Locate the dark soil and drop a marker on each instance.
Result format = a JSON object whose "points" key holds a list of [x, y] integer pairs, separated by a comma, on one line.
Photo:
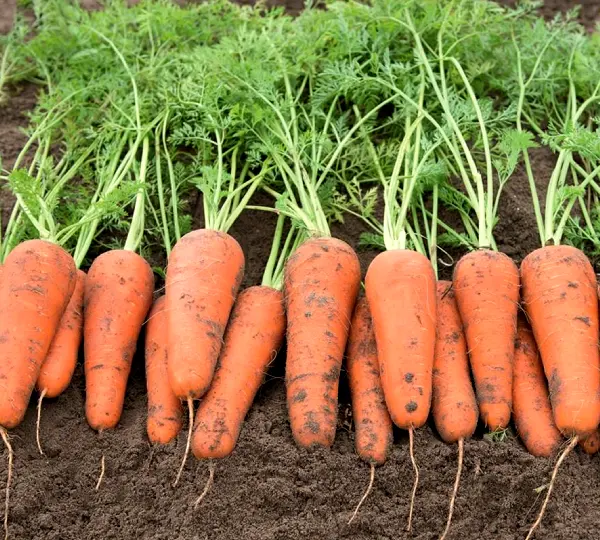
{"points": [[269, 489]]}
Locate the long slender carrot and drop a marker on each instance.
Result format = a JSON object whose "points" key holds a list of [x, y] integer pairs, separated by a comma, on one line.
{"points": [[118, 295], [486, 284], [164, 407], [373, 425], [254, 335], [454, 405], [560, 297], [531, 403], [321, 283]]}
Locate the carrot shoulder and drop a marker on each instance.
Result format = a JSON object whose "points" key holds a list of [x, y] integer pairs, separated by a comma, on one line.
{"points": [[373, 425], [454, 406], [38, 279], [59, 365], [322, 278], [205, 271], [486, 284], [254, 335], [400, 288], [118, 295], [532, 411], [560, 297], [164, 407]]}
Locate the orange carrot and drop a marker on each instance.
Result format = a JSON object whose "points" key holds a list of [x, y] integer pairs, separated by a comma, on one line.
{"points": [[486, 284], [531, 403], [373, 425], [254, 335], [164, 407], [400, 286], [38, 279], [560, 296], [118, 295], [322, 279], [454, 406]]}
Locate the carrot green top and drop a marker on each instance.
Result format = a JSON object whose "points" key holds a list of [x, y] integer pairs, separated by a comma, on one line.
{"points": [[274, 270]]}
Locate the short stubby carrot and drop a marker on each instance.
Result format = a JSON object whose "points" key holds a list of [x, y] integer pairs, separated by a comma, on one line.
{"points": [[204, 274], [321, 283], [400, 287], [118, 295], [486, 284], [253, 337], [38, 279], [531, 403], [373, 425], [59, 365], [454, 405], [560, 297], [164, 407]]}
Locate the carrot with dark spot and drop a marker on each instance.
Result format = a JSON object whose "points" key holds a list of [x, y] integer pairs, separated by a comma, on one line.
{"points": [[373, 425], [164, 407], [454, 405]]}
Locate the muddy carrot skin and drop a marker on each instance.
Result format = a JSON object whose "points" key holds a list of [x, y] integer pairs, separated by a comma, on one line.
{"points": [[591, 443], [560, 297], [253, 337], [454, 406], [164, 407], [486, 285], [321, 283], [59, 365], [38, 279], [117, 298], [400, 289], [205, 271], [532, 411], [373, 425]]}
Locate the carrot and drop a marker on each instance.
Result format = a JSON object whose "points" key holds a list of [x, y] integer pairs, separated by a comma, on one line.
{"points": [[38, 278], [486, 285], [164, 407], [560, 297], [454, 406], [321, 283], [253, 337], [58, 367], [591, 443], [118, 295], [532, 411], [373, 425]]}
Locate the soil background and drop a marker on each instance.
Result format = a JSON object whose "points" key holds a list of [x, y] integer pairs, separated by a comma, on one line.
{"points": [[269, 489]]}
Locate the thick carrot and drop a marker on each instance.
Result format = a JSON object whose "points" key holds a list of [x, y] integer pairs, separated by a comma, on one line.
{"points": [[373, 425], [400, 286], [254, 335], [531, 403], [454, 406], [38, 279], [118, 295], [560, 296], [486, 284], [205, 270], [591, 443], [59, 365], [164, 407], [321, 282], [372, 421]]}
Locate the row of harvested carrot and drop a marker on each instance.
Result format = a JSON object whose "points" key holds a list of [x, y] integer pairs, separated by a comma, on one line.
{"points": [[397, 368]]}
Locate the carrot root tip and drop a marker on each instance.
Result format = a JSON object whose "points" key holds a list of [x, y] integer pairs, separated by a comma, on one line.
{"points": [[37, 423], [6, 440], [209, 483], [416, 483], [455, 489], [190, 403], [101, 477], [559, 461], [365, 495]]}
